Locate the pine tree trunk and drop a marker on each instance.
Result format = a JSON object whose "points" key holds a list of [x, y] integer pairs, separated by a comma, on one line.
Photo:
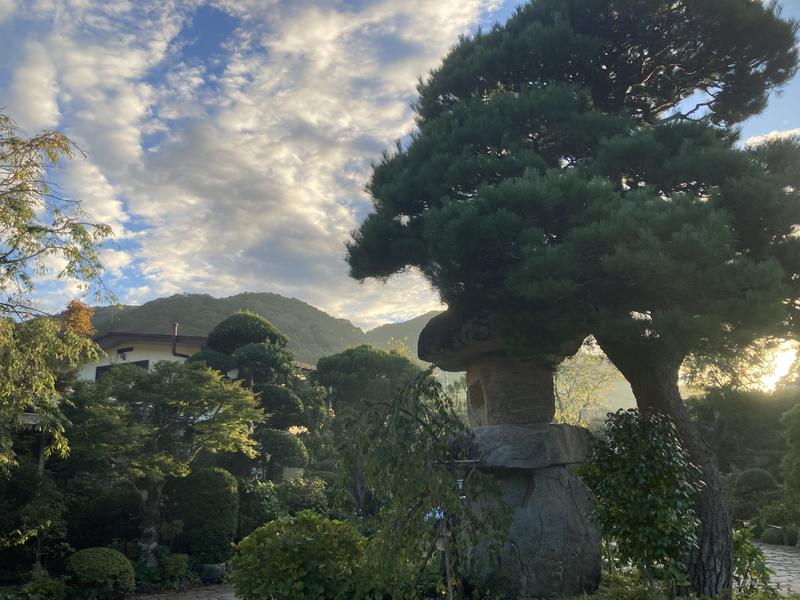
{"points": [[653, 377]]}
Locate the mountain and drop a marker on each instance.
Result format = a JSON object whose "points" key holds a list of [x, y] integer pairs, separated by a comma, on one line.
{"points": [[312, 333], [405, 333]]}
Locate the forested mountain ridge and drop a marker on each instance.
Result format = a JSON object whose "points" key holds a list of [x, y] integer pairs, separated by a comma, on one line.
{"points": [[312, 332]]}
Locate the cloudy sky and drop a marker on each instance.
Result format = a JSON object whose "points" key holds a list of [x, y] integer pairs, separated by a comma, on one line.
{"points": [[228, 141]]}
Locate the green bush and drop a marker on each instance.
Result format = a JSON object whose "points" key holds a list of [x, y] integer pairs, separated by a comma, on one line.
{"points": [[302, 493], [777, 513], [644, 485], [170, 572], [284, 407], [755, 480], [40, 587], [298, 558], [259, 503], [285, 449], [207, 501], [243, 328], [772, 535], [99, 574]]}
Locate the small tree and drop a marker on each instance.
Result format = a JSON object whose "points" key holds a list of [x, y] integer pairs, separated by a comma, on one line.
{"points": [[145, 426], [580, 384], [645, 488]]}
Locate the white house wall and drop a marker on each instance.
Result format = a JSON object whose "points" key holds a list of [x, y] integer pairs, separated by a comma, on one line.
{"points": [[150, 351]]}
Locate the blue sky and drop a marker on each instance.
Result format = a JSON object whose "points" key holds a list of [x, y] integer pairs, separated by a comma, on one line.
{"points": [[228, 141]]}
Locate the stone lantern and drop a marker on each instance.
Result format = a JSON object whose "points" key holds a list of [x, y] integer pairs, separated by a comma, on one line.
{"points": [[553, 548]]}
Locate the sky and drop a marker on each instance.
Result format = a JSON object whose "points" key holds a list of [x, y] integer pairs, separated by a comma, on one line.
{"points": [[228, 142]]}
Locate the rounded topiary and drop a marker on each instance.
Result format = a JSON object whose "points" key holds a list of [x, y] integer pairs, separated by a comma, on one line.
{"points": [[302, 493], [755, 480], [216, 360], [284, 407], [207, 501], [298, 558], [99, 573], [243, 328], [772, 535], [285, 449]]}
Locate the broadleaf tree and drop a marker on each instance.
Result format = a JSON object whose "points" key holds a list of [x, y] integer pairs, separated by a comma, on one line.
{"points": [[38, 228], [144, 427], [565, 180]]}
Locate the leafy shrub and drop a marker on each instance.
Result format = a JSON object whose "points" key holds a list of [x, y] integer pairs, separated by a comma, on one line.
{"points": [[99, 574], [259, 503], [285, 449], [772, 535], [777, 513], [207, 501], [304, 494], [755, 480], [171, 571], [644, 485], [298, 558], [40, 587], [100, 515], [243, 328], [750, 571], [216, 360]]}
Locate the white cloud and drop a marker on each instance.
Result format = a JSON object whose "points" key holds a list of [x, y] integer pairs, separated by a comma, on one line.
{"points": [[245, 170], [7, 8], [32, 97], [772, 136]]}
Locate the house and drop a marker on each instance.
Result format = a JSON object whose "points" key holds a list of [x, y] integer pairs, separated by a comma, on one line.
{"points": [[146, 349], [140, 349]]}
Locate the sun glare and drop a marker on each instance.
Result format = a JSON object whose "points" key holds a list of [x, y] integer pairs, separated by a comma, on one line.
{"points": [[781, 363]]}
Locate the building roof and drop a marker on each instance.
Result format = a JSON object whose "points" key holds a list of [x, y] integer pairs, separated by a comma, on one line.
{"points": [[113, 338]]}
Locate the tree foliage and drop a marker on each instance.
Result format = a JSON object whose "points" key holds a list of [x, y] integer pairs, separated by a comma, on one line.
{"points": [[580, 384]]}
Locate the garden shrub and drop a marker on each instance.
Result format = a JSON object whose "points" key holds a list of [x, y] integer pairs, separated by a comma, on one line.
{"points": [[298, 558], [259, 503], [755, 480], [170, 572], [750, 571], [99, 515], [283, 406], [285, 449], [304, 494], [41, 586], [644, 486], [243, 328], [207, 501], [99, 574], [777, 513], [772, 535]]}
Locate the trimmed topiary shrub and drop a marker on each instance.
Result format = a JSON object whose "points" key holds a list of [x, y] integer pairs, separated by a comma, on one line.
{"points": [[99, 574], [259, 503], [285, 449], [170, 572], [304, 494], [777, 513], [207, 502], [772, 535], [216, 360], [298, 558], [284, 407], [755, 480], [243, 328]]}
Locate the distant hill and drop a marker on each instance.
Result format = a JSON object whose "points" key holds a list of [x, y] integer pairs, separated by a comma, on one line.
{"points": [[406, 332], [312, 333]]}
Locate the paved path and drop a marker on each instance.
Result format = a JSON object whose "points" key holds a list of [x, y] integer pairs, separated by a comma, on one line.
{"points": [[214, 592], [785, 561]]}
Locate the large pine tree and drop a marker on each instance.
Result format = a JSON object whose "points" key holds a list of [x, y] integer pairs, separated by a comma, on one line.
{"points": [[576, 171]]}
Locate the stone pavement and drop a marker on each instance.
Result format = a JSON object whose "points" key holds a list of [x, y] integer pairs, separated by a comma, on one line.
{"points": [[785, 561], [213, 592]]}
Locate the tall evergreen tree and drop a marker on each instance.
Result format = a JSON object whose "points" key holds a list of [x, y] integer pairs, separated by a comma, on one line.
{"points": [[564, 180]]}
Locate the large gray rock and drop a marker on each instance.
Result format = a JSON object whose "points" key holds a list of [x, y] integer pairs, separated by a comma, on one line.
{"points": [[553, 548], [531, 446]]}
